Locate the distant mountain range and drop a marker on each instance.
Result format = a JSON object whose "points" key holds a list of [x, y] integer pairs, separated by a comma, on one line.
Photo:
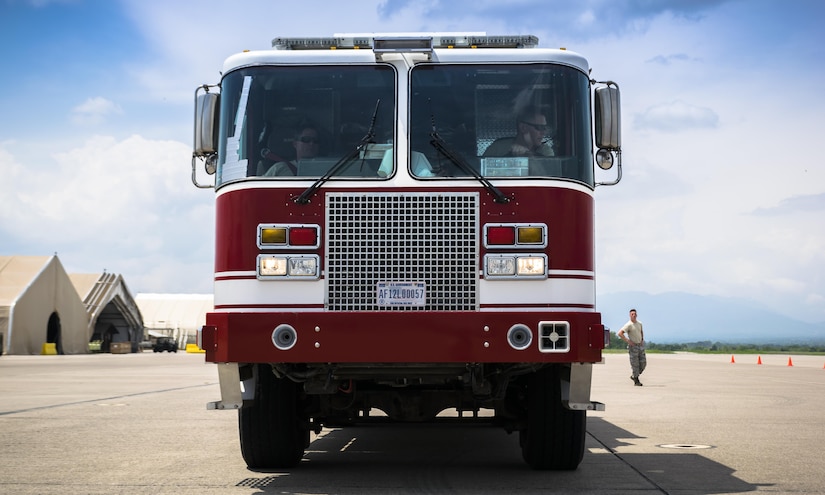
{"points": [[678, 317]]}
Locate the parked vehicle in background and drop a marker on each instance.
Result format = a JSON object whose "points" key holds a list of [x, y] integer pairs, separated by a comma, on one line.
{"points": [[165, 344]]}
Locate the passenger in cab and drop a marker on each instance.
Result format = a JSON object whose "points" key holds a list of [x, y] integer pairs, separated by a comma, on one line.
{"points": [[307, 144]]}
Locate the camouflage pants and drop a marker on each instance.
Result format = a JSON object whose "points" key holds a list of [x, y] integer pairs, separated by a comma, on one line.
{"points": [[638, 360]]}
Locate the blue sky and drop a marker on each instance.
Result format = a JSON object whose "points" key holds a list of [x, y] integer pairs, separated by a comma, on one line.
{"points": [[723, 193]]}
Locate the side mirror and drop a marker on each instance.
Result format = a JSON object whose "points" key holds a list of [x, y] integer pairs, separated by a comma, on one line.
{"points": [[608, 129], [206, 123], [608, 117], [206, 133]]}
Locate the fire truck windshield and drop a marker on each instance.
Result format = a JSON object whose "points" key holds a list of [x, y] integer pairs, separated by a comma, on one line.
{"points": [[508, 121], [297, 122]]}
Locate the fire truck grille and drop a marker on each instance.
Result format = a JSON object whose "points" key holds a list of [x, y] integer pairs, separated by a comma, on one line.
{"points": [[381, 245]]}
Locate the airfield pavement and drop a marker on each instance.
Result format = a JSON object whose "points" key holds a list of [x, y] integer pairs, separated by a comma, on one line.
{"points": [[137, 424]]}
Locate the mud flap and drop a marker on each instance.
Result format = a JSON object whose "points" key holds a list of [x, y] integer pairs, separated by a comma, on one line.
{"points": [[575, 392], [229, 377]]}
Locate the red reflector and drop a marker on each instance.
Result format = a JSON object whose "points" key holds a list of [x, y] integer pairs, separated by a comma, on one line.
{"points": [[501, 236], [303, 236]]}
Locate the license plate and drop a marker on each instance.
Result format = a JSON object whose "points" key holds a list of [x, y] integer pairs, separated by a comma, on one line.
{"points": [[401, 293]]}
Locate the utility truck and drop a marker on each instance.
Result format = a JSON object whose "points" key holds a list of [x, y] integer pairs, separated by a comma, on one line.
{"points": [[405, 234]]}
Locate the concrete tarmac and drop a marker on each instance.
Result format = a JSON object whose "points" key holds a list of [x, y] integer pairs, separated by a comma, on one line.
{"points": [[137, 424]]}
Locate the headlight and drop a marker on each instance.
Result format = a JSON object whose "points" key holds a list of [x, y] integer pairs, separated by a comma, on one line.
{"points": [[499, 266], [303, 267], [286, 267], [515, 266], [531, 266], [271, 266]]}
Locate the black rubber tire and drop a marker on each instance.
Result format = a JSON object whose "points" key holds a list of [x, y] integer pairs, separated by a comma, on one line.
{"points": [[554, 437], [269, 428]]}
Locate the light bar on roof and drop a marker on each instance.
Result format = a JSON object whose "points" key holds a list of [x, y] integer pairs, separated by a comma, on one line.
{"points": [[406, 43], [518, 41], [421, 44], [351, 43]]}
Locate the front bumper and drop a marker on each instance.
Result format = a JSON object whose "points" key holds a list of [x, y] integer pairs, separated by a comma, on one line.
{"points": [[398, 337]]}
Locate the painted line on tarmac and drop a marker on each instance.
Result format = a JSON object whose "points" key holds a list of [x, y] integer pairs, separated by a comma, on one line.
{"points": [[138, 394], [631, 466]]}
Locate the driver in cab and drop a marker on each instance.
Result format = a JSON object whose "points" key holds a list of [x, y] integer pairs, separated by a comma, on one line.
{"points": [[530, 139]]}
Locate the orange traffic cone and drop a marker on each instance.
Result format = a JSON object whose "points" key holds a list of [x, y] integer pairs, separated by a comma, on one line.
{"points": [[790, 362], [759, 360], [731, 359]]}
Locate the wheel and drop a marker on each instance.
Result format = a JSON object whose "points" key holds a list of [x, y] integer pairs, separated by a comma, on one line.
{"points": [[270, 431], [554, 436]]}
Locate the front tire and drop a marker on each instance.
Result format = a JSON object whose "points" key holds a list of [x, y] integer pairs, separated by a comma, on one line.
{"points": [[554, 435], [269, 427]]}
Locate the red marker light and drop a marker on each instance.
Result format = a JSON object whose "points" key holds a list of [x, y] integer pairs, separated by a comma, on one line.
{"points": [[303, 236], [501, 236]]}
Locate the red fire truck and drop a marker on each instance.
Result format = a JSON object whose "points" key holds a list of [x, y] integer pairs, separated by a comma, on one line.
{"points": [[404, 233]]}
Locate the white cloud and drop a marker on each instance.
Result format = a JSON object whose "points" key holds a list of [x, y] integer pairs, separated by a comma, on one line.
{"points": [[815, 300], [188, 53], [125, 205], [586, 18], [104, 181], [669, 59], [795, 204], [676, 116], [94, 111]]}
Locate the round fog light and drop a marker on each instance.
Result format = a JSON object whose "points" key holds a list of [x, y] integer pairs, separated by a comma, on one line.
{"points": [[284, 337], [519, 336]]}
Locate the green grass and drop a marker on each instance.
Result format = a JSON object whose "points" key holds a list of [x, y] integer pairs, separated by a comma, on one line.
{"points": [[707, 347]]}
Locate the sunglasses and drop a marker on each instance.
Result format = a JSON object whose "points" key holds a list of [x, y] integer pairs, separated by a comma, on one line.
{"points": [[309, 139], [538, 127]]}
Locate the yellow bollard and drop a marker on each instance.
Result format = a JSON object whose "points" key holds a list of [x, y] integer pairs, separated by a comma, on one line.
{"points": [[194, 348]]}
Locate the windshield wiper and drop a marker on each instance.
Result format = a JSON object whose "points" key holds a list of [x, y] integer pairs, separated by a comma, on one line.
{"points": [[442, 147], [367, 139]]}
